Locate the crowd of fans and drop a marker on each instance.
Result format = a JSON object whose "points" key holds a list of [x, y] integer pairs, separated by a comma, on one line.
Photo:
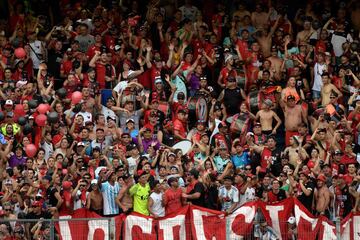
{"points": [[281, 115]]}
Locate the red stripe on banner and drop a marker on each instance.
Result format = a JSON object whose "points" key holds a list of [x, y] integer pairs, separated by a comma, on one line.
{"points": [[139, 227], [174, 226], [240, 222], [207, 224], [308, 226], [327, 229]]}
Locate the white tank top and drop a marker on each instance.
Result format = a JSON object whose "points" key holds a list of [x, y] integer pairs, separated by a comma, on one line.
{"points": [[157, 207]]}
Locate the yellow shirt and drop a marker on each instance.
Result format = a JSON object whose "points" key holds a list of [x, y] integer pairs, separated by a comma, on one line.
{"points": [[140, 195]]}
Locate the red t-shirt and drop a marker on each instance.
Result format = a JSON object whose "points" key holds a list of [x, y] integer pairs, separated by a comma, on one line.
{"points": [[179, 126], [346, 159], [265, 157], [173, 200], [91, 51]]}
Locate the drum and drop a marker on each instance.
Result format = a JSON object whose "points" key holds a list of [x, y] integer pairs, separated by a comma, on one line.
{"points": [[165, 108], [183, 145], [198, 108], [238, 124], [240, 78], [253, 101]]}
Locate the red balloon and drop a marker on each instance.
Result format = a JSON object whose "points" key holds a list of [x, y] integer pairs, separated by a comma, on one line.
{"points": [[41, 120], [20, 53], [19, 110], [43, 108], [30, 150], [76, 97], [311, 164]]}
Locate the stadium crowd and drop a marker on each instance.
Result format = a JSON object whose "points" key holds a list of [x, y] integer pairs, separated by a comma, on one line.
{"points": [[259, 99]]}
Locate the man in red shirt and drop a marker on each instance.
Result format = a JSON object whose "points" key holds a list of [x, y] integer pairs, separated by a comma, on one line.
{"points": [[105, 72], [172, 197], [180, 125]]}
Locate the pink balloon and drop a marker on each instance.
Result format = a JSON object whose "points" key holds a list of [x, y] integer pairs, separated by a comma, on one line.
{"points": [[43, 108], [20, 53], [41, 120], [19, 110], [30, 150], [76, 97]]}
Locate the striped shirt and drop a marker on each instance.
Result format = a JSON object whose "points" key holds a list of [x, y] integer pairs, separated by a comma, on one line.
{"points": [[266, 234], [109, 193]]}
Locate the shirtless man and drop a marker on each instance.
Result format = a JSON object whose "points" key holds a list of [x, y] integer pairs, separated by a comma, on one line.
{"points": [[89, 101], [327, 89], [124, 200], [259, 18], [112, 129], [322, 197], [294, 116], [305, 34], [320, 141], [264, 38], [266, 117], [94, 201], [295, 151], [276, 62]]}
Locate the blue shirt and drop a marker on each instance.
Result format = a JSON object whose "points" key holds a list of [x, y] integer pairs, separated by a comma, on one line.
{"points": [[220, 163], [240, 161]]}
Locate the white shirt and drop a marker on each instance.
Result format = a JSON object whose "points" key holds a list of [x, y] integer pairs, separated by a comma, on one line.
{"points": [[157, 206], [49, 149], [319, 69], [229, 197], [132, 165], [337, 42], [36, 47], [109, 193], [77, 200], [108, 112], [249, 194]]}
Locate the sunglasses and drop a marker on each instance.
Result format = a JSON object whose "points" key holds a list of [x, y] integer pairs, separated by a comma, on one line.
{"points": [[7, 210], [82, 185], [247, 169]]}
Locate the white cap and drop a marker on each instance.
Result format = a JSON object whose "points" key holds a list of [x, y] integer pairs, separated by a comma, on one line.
{"points": [[158, 80], [9, 102], [21, 83], [291, 220], [94, 181], [81, 144]]}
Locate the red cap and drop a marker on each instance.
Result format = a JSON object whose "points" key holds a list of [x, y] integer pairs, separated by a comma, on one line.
{"points": [[321, 178], [67, 184]]}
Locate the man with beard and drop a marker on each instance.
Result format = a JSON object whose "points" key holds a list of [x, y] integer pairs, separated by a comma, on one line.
{"points": [[270, 156], [195, 191]]}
